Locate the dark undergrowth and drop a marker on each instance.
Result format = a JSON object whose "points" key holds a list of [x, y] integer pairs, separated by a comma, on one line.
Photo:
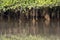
{"points": [[36, 13]]}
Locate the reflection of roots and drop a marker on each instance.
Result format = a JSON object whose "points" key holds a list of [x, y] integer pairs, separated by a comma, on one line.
{"points": [[47, 22], [47, 19], [33, 21]]}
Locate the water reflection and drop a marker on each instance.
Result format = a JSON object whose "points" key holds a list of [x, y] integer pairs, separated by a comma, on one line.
{"points": [[18, 26]]}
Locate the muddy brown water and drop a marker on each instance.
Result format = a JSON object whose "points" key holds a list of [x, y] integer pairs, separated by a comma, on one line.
{"points": [[34, 27]]}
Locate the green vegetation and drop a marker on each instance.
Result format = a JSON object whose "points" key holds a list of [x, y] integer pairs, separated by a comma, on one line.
{"points": [[30, 37], [27, 3]]}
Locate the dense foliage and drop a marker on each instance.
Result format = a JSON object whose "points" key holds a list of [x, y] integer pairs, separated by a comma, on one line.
{"points": [[27, 3]]}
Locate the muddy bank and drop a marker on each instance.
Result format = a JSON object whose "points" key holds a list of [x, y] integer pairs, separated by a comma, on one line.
{"points": [[33, 27], [46, 13]]}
